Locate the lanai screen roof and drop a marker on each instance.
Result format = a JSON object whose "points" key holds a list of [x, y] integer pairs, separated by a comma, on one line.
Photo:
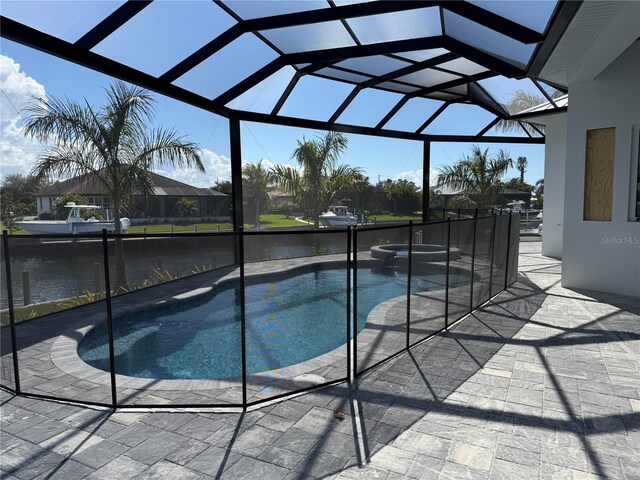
{"points": [[391, 68]]}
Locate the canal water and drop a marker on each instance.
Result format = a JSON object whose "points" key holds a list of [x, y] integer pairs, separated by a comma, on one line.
{"points": [[64, 270]]}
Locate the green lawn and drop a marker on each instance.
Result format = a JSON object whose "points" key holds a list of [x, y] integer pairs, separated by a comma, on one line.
{"points": [[166, 227], [16, 231], [278, 220], [399, 218], [266, 221]]}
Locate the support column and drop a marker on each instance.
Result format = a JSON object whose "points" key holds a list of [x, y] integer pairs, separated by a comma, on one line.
{"points": [[555, 159], [236, 172], [426, 167]]}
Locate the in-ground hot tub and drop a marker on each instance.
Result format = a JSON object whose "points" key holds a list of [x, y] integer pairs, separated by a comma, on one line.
{"points": [[421, 252]]}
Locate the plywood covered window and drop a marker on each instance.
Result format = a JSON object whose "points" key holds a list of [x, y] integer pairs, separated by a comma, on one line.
{"points": [[598, 181]]}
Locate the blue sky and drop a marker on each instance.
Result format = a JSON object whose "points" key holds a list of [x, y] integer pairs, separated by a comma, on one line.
{"points": [[379, 157]]}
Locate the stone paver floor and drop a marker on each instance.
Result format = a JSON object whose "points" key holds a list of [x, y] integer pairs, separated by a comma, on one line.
{"points": [[542, 382]]}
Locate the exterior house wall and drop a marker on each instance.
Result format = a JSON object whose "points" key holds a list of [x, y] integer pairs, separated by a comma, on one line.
{"points": [[159, 207], [555, 153], [603, 255], [43, 204]]}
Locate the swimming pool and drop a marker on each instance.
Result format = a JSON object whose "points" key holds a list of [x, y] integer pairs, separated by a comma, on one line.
{"points": [[291, 320]]}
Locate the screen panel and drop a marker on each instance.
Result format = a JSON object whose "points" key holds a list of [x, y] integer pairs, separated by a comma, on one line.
{"points": [[172, 318], [482, 261], [428, 281], [381, 291], [501, 241], [461, 251], [296, 290], [59, 296], [7, 377], [514, 247]]}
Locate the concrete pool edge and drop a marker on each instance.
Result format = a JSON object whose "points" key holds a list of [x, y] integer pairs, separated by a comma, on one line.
{"points": [[64, 351]]}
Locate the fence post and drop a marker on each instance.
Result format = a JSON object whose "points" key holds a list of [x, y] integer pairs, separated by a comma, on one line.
{"points": [[218, 227], [446, 288], [355, 301], [458, 213], [473, 257], [243, 319], [107, 289], [409, 255], [349, 229], [26, 289], [493, 248], [12, 317], [506, 266]]}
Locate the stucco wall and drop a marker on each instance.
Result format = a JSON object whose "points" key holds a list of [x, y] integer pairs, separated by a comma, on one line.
{"points": [[603, 256], [555, 152]]}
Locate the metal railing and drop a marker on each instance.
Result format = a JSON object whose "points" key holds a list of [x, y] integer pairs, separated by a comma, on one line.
{"points": [[284, 311]]}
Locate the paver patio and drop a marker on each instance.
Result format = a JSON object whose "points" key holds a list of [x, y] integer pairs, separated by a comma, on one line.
{"points": [[542, 382]]}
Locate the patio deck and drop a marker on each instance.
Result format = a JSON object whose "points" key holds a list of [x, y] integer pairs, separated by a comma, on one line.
{"points": [[542, 382]]}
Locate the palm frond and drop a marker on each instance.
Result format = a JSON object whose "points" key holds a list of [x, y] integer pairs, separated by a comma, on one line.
{"points": [[288, 178], [161, 148], [520, 100]]}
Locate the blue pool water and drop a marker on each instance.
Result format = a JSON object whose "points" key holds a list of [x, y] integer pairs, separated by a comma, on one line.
{"points": [[288, 321]]}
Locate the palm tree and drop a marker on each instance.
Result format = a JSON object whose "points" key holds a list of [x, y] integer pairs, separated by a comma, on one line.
{"points": [[539, 193], [112, 145], [256, 182], [521, 165], [405, 193], [320, 181], [476, 174], [521, 100], [186, 207]]}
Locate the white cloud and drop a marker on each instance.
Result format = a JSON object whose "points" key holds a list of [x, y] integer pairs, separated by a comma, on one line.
{"points": [[415, 176], [217, 167], [17, 152]]}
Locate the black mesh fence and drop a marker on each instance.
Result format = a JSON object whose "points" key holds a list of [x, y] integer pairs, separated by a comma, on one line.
{"points": [[295, 290], [380, 294], [482, 261], [7, 372], [59, 296], [436, 214], [142, 261], [514, 242], [176, 320], [460, 265], [428, 280], [263, 246], [178, 304], [7, 375], [500, 253]]}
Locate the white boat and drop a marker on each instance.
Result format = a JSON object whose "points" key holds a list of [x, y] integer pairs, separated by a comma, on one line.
{"points": [[516, 206], [74, 223], [337, 216]]}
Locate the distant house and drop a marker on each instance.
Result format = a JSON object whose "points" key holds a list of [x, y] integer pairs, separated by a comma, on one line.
{"points": [[507, 196], [160, 205], [279, 198]]}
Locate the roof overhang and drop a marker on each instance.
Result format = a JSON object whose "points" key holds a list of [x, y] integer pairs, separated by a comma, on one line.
{"points": [[597, 34]]}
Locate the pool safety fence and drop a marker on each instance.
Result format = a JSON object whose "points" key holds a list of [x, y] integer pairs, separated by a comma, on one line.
{"points": [[236, 319]]}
